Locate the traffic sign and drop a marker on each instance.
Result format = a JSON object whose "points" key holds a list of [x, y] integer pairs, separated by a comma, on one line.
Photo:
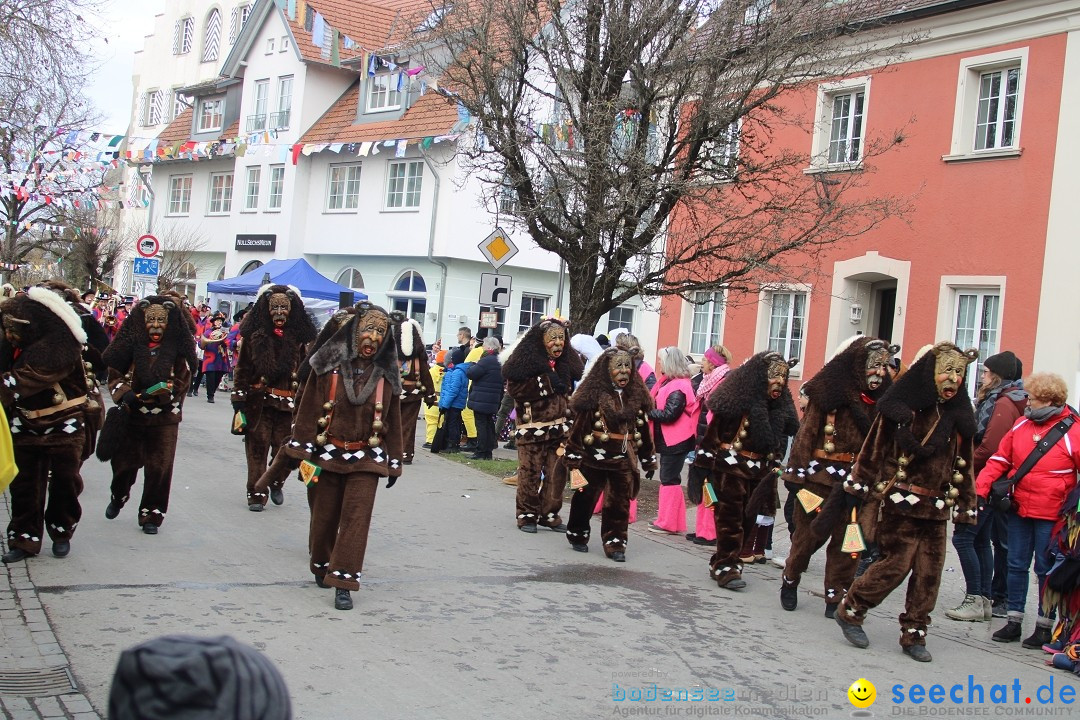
{"points": [[498, 248], [148, 246], [146, 267], [495, 290]]}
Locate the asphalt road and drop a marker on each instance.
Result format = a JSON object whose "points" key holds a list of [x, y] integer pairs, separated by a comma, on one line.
{"points": [[460, 615]]}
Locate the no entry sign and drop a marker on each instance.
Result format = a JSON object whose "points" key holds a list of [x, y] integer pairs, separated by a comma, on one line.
{"points": [[147, 246]]}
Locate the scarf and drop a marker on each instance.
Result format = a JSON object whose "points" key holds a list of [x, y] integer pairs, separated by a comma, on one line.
{"points": [[1014, 390], [710, 381], [1042, 414]]}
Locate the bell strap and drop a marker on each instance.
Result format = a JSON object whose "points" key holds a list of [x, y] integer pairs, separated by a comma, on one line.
{"points": [[52, 410]]}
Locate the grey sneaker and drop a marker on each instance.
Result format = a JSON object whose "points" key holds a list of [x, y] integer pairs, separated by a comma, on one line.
{"points": [[988, 609], [970, 610]]}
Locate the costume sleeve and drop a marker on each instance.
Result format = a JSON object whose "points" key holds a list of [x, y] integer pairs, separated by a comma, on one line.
{"points": [[424, 376], [870, 463], [710, 445], [394, 443], [1000, 463], [575, 446], [118, 385], [30, 380], [647, 451], [966, 508], [1001, 421], [242, 376]]}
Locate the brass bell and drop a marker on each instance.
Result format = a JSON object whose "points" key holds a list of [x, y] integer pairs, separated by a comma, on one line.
{"points": [[294, 376], [263, 380], [596, 414], [736, 445], [638, 443], [769, 456], [322, 423], [527, 417], [746, 423], [374, 441], [377, 425], [880, 487], [321, 438], [637, 435], [57, 398], [902, 461], [598, 425], [88, 366], [743, 434], [588, 439], [830, 447], [295, 384], [640, 422], [958, 477], [961, 462], [949, 502], [830, 429], [328, 405], [604, 437], [901, 475], [378, 407], [954, 492]]}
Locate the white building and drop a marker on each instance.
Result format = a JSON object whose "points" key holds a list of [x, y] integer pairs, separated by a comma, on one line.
{"points": [[297, 150]]}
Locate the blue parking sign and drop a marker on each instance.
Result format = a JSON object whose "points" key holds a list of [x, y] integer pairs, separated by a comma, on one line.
{"points": [[146, 266]]}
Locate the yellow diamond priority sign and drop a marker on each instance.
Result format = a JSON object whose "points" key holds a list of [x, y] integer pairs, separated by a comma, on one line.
{"points": [[498, 248]]}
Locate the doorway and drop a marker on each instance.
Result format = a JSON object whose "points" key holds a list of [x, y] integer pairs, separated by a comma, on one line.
{"points": [[885, 303]]}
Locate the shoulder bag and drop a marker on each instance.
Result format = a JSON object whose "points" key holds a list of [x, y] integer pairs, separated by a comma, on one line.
{"points": [[1001, 491]]}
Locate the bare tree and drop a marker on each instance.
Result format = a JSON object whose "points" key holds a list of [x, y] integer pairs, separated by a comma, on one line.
{"points": [[90, 247], [180, 245], [636, 140]]}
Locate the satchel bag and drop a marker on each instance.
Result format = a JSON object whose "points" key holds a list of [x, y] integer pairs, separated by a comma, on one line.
{"points": [[1001, 490], [114, 432]]}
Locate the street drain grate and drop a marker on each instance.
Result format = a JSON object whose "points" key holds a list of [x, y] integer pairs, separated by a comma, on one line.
{"points": [[36, 683]]}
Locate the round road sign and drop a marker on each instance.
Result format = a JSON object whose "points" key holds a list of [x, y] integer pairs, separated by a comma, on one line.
{"points": [[148, 246]]}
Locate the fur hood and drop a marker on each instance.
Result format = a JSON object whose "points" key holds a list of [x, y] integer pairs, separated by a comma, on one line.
{"points": [[410, 337], [53, 345], [744, 392], [916, 391], [842, 381], [131, 346], [528, 358], [596, 392], [273, 356], [339, 350]]}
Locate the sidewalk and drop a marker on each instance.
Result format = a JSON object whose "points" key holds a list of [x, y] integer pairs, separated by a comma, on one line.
{"points": [[35, 680]]}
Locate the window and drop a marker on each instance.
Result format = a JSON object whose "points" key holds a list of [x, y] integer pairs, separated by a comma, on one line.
{"points": [[221, 187], [757, 11], [344, 190], [155, 107], [257, 120], [179, 194], [211, 112], [212, 40], [718, 158], [351, 278], [408, 295], [383, 91], [179, 104], [977, 325], [787, 323], [995, 122], [533, 307], [185, 281], [284, 44], [236, 21], [183, 36], [277, 186], [269, 46], [249, 266], [989, 106], [251, 196], [433, 19], [708, 316], [840, 130], [280, 119], [403, 185], [508, 199], [621, 317]]}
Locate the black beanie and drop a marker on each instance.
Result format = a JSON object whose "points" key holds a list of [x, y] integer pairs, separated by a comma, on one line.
{"points": [[197, 679], [1006, 365]]}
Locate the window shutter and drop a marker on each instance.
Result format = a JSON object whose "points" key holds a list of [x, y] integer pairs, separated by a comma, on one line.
{"points": [[176, 37], [212, 40], [234, 25], [140, 110]]}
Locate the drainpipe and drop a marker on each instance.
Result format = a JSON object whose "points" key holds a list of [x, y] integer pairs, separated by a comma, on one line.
{"points": [[431, 246]]}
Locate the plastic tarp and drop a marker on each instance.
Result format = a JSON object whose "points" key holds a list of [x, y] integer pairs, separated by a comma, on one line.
{"points": [[300, 274]]}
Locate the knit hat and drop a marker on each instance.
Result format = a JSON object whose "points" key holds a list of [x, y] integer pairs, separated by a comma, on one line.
{"points": [[440, 357], [1006, 365], [179, 676]]}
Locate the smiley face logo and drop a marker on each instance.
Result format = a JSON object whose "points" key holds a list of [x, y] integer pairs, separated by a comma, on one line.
{"points": [[862, 693]]}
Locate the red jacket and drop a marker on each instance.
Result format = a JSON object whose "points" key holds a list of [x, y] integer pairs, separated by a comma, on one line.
{"points": [[1042, 491]]}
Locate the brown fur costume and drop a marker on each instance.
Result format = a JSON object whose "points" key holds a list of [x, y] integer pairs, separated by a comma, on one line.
{"points": [[265, 382], [416, 384], [935, 439], [44, 392], [838, 396], [609, 466], [153, 421], [743, 398], [342, 499], [541, 396]]}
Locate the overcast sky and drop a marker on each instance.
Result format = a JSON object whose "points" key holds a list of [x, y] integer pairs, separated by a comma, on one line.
{"points": [[125, 25]]}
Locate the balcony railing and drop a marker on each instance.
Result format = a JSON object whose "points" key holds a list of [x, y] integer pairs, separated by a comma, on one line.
{"points": [[256, 123], [280, 119]]}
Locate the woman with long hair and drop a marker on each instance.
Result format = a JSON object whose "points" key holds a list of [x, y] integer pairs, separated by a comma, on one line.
{"points": [[674, 433]]}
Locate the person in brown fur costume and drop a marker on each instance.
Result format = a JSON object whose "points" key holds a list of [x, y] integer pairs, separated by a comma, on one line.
{"points": [[347, 433], [753, 415], [275, 337], [416, 384], [610, 436], [150, 364], [44, 392], [540, 377], [915, 466], [842, 404]]}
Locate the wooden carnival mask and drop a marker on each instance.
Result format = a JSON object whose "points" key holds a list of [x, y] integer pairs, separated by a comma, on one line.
{"points": [[778, 371], [156, 318], [621, 367], [950, 367], [371, 329], [878, 355], [15, 329], [279, 306], [554, 339]]}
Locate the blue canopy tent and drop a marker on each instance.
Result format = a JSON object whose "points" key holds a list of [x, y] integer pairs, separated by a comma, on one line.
{"points": [[312, 285]]}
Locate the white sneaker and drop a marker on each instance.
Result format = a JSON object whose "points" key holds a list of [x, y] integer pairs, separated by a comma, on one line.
{"points": [[970, 610], [779, 562]]}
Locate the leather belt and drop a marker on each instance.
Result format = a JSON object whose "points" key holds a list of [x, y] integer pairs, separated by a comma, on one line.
{"points": [[542, 424], [847, 457], [917, 489], [613, 436], [281, 393], [348, 446], [45, 412], [744, 453]]}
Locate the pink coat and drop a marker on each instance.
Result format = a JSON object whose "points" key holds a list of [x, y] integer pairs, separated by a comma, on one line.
{"points": [[686, 425]]}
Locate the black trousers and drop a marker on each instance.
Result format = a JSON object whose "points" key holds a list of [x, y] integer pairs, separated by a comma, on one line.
{"points": [[213, 379], [486, 439]]}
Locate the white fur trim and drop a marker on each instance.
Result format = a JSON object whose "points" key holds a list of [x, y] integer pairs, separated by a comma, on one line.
{"points": [[61, 309], [922, 351], [508, 351], [407, 336], [266, 288], [846, 344]]}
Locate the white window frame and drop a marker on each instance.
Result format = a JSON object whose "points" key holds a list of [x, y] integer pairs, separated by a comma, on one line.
{"points": [[706, 320], [284, 44], [965, 113], [410, 298], [180, 195], [276, 190], [284, 102], [982, 286], [350, 201], [261, 96], [155, 108], [532, 313], [757, 11], [212, 43], [612, 324], [381, 93], [252, 188], [178, 104], [346, 274], [203, 103], [184, 38], [220, 195], [827, 93], [765, 309], [403, 191], [269, 46], [721, 156]]}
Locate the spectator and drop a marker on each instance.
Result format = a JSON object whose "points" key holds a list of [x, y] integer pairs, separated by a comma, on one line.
{"points": [[714, 367], [485, 395], [431, 414], [452, 397], [674, 423]]}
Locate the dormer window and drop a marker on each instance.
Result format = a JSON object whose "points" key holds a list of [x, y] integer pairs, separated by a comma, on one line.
{"points": [[211, 114], [383, 91]]}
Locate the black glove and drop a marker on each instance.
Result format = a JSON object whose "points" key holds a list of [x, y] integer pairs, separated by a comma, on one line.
{"points": [[390, 481], [430, 400], [239, 407], [649, 474], [130, 399], [980, 503], [852, 502], [557, 383]]}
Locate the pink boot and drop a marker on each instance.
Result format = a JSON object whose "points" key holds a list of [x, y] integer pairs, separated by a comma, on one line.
{"points": [[600, 505], [633, 512], [671, 515], [705, 523]]}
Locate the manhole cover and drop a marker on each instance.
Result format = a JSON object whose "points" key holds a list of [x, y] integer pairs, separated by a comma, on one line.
{"points": [[36, 683]]}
